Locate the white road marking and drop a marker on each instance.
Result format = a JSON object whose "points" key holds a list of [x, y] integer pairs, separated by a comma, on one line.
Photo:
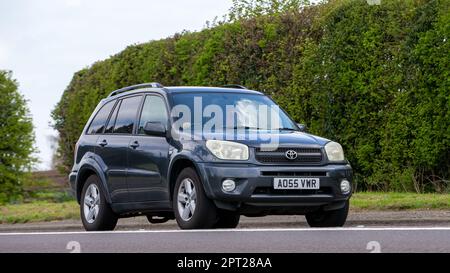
{"points": [[230, 230]]}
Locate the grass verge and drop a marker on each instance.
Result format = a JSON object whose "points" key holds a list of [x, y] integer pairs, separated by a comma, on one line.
{"points": [[399, 201], [42, 211], [39, 211]]}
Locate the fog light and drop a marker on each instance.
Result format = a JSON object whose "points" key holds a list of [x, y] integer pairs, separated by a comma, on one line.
{"points": [[228, 185], [345, 186]]}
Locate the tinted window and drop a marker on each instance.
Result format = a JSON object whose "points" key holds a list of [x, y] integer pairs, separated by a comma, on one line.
{"points": [[98, 123], [247, 110], [112, 120], [127, 115], [154, 110]]}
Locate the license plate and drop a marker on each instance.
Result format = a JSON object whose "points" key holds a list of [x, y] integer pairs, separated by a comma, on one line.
{"points": [[293, 183]]}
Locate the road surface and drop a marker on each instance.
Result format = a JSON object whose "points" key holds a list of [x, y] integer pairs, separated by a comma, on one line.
{"points": [[291, 240]]}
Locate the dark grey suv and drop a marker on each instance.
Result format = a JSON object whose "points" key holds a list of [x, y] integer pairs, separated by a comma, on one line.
{"points": [[204, 156]]}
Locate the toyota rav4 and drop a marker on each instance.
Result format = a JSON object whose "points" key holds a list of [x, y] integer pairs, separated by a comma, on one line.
{"points": [[204, 156]]}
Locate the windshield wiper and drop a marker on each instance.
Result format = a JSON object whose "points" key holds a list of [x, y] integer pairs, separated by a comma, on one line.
{"points": [[257, 128], [244, 127], [285, 129]]}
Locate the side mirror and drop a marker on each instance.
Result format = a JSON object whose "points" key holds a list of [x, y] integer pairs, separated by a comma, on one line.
{"points": [[155, 129], [302, 127]]}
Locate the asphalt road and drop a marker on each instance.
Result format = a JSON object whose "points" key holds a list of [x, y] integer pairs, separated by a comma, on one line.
{"points": [[380, 239]]}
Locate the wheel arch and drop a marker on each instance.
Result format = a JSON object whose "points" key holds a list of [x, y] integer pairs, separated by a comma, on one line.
{"points": [[177, 165], [85, 171]]}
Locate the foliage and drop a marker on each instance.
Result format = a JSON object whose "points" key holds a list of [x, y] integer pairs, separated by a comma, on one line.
{"points": [[246, 9], [375, 78], [16, 139]]}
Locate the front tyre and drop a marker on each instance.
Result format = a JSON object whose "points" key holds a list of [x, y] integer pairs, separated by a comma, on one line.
{"points": [[332, 218], [193, 210], [96, 214]]}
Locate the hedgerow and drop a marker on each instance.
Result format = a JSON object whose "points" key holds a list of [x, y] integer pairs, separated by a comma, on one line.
{"points": [[373, 77]]}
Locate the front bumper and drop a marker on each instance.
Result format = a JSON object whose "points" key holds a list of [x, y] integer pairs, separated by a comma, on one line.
{"points": [[254, 186]]}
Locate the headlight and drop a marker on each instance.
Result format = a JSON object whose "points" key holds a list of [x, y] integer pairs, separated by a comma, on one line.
{"points": [[227, 150], [334, 151]]}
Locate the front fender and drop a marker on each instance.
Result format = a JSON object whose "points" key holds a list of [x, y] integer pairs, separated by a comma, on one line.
{"points": [[195, 160]]}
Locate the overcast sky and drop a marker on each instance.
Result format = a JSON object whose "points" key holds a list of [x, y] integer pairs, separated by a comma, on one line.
{"points": [[44, 42]]}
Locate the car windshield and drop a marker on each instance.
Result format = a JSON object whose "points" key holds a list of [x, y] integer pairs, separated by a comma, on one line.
{"points": [[222, 111]]}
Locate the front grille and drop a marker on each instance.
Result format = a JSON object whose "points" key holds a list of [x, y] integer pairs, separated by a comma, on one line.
{"points": [[305, 155], [272, 191], [293, 174]]}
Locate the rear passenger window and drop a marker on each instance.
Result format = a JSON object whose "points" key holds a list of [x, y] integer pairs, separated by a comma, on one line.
{"points": [[127, 115], [98, 123]]}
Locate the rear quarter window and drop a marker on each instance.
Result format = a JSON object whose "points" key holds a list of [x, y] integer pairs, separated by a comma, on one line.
{"points": [[98, 123]]}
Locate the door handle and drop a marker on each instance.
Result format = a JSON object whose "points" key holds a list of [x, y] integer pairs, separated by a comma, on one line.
{"points": [[134, 145], [103, 143]]}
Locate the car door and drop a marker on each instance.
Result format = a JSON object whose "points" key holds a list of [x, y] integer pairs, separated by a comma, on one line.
{"points": [[148, 155], [113, 145]]}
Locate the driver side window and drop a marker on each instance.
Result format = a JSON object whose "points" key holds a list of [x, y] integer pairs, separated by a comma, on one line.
{"points": [[153, 110]]}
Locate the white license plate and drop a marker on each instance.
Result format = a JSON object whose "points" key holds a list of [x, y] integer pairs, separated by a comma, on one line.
{"points": [[294, 183]]}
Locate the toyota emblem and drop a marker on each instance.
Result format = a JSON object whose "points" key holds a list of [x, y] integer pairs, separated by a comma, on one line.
{"points": [[291, 154]]}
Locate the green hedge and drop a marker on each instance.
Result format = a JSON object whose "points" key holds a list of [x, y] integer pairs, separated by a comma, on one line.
{"points": [[374, 78]]}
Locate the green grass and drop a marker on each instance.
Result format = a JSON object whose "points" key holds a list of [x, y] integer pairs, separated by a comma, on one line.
{"points": [[399, 201], [41, 211]]}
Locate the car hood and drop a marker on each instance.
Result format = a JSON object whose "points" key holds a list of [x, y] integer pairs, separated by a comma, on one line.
{"points": [[282, 138]]}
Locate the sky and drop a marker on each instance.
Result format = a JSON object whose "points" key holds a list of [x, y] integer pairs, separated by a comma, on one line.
{"points": [[45, 42]]}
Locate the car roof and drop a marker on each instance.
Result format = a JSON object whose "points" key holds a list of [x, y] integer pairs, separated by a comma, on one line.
{"points": [[183, 89], [202, 89]]}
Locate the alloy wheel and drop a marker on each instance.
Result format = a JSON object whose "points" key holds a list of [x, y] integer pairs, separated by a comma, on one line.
{"points": [[187, 199], [91, 203]]}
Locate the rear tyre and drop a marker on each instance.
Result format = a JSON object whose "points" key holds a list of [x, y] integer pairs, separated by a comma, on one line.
{"points": [[227, 219], [96, 213], [193, 210], [333, 218]]}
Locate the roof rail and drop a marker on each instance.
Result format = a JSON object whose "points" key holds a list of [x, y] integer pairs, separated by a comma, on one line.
{"points": [[137, 86], [234, 86]]}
